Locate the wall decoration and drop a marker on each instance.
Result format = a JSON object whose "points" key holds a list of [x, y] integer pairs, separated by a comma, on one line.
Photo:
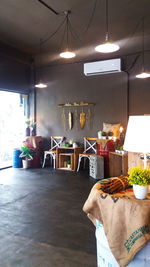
{"points": [[81, 104], [88, 119], [82, 119], [70, 120], [75, 119], [63, 118]]}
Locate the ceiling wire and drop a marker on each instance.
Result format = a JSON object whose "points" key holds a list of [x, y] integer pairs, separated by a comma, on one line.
{"points": [[52, 34], [140, 22], [143, 63], [134, 31], [69, 27], [63, 37], [40, 59], [49, 7], [107, 24], [91, 17], [73, 32], [129, 69]]}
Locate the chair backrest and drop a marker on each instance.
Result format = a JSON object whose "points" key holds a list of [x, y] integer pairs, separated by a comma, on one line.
{"points": [[90, 145], [56, 141]]}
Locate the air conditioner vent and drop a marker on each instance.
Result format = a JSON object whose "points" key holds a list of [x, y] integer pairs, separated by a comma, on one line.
{"points": [[102, 67]]}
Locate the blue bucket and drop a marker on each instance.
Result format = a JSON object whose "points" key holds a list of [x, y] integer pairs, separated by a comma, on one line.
{"points": [[17, 162]]}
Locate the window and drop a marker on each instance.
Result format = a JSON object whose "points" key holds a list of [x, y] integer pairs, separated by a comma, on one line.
{"points": [[12, 125]]}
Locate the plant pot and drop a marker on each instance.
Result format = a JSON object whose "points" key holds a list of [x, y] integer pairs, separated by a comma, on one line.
{"points": [[74, 145], [27, 131], [140, 191], [69, 166], [27, 163], [33, 132], [103, 137]]}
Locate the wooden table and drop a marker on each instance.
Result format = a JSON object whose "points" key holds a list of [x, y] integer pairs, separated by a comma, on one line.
{"points": [[125, 221], [68, 153]]}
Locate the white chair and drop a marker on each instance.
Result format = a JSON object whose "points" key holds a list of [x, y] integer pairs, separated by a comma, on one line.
{"points": [[56, 141], [90, 148]]}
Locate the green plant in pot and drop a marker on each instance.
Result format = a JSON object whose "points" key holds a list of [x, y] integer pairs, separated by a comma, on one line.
{"points": [[140, 179], [68, 164], [27, 153], [119, 149]]}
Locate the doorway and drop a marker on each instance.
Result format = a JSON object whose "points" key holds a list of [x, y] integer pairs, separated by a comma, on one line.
{"points": [[12, 125]]}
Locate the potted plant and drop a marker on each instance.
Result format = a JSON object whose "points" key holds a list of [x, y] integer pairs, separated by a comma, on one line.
{"points": [[75, 145], [140, 179], [68, 164], [104, 134], [27, 152], [119, 149]]}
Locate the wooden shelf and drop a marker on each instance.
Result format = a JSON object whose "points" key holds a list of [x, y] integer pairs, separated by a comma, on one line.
{"points": [[81, 104], [69, 147], [68, 153], [63, 158], [118, 154], [65, 169]]}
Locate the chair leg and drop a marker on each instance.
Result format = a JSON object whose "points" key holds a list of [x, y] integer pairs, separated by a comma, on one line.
{"points": [[54, 159], [51, 159], [84, 162], [79, 161], [44, 160]]}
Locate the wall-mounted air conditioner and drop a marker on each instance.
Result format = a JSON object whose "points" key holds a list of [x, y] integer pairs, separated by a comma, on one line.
{"points": [[102, 67]]}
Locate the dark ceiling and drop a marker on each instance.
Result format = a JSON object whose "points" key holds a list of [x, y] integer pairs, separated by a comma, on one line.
{"points": [[24, 22]]}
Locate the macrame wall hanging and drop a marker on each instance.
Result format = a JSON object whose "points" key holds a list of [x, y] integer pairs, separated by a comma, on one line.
{"points": [[77, 116]]}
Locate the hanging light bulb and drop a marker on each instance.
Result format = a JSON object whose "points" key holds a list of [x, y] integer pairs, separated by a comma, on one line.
{"points": [[67, 53], [40, 84], [107, 47], [143, 74]]}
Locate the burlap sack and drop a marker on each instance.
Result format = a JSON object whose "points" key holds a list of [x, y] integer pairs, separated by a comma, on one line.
{"points": [[126, 221]]}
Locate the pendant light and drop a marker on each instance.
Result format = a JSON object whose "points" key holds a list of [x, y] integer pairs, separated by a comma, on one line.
{"points": [[67, 53], [40, 83], [143, 74], [107, 47]]}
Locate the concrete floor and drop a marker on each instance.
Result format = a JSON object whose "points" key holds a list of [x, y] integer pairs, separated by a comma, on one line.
{"points": [[41, 219]]}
